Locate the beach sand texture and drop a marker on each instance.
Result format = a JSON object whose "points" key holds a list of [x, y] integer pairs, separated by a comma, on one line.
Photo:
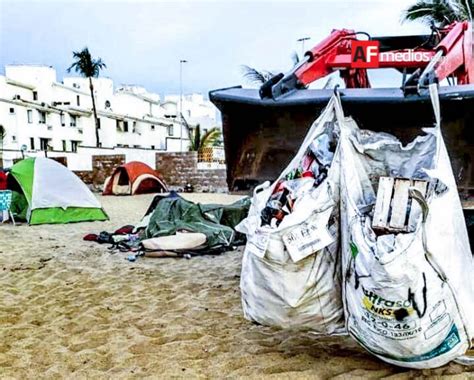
{"points": [[71, 309]]}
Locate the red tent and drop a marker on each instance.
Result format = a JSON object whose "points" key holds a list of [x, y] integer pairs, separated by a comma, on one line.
{"points": [[3, 180], [134, 178]]}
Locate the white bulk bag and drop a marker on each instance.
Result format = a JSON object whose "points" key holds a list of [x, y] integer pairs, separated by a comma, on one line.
{"points": [[291, 273], [408, 296]]}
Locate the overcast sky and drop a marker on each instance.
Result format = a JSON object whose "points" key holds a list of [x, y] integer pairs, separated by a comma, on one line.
{"points": [[143, 41]]}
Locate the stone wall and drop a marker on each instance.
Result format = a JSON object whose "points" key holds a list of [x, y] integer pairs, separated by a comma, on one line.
{"points": [[181, 168], [210, 180], [102, 167], [177, 169]]}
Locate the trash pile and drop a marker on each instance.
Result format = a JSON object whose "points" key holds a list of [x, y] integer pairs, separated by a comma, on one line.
{"points": [[310, 172], [291, 274], [175, 227], [364, 235]]}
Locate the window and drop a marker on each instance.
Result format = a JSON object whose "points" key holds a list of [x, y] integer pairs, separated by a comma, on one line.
{"points": [[170, 130], [136, 146], [118, 125], [13, 138], [152, 127], [64, 145], [63, 119], [29, 114], [74, 145], [35, 95], [42, 117], [152, 147], [125, 126], [44, 144], [12, 110], [134, 128], [78, 100], [73, 122], [98, 123], [32, 143]]}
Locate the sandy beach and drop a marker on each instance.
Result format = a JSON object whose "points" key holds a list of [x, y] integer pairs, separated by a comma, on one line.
{"points": [[71, 309]]}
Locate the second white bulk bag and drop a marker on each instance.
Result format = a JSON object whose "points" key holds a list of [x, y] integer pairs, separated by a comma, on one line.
{"points": [[409, 296]]}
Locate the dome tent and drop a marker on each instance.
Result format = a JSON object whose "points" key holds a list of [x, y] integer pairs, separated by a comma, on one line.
{"points": [[54, 194], [132, 178]]}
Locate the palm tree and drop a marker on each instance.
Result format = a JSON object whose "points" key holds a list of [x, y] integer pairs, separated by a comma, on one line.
{"points": [[440, 12], [295, 58], [90, 68], [255, 76], [259, 77], [199, 141]]}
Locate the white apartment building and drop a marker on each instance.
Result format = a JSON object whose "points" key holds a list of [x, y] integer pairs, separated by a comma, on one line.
{"points": [[196, 110], [38, 114]]}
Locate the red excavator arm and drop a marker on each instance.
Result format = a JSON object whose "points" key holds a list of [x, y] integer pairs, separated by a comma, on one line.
{"points": [[446, 53]]}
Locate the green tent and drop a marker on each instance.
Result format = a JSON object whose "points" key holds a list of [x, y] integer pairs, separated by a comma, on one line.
{"points": [[53, 193], [173, 213]]}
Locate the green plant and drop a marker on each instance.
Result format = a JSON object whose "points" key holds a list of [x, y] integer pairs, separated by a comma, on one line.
{"points": [[261, 76], [439, 12], [199, 141], [255, 76]]}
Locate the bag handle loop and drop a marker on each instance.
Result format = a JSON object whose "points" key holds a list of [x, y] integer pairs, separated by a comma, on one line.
{"points": [[434, 95]]}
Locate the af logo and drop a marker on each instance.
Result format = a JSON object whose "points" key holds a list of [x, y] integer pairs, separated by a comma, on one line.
{"points": [[364, 54]]}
